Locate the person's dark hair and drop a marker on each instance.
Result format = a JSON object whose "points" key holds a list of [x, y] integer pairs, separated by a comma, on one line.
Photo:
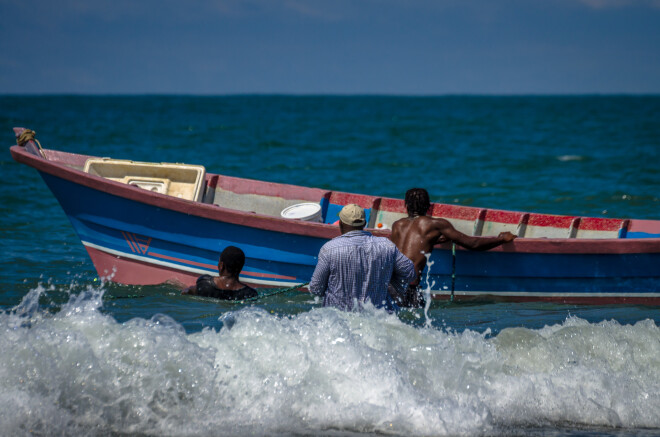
{"points": [[233, 259], [417, 201]]}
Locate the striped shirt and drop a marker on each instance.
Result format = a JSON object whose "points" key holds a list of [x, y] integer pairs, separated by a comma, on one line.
{"points": [[356, 268]]}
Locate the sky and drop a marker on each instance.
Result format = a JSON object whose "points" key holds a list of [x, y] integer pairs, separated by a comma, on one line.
{"points": [[394, 47]]}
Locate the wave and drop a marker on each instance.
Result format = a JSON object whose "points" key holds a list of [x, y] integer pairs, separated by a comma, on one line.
{"points": [[78, 370]]}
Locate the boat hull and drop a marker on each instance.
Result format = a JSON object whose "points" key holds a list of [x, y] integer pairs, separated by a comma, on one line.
{"points": [[131, 242], [139, 238], [136, 243]]}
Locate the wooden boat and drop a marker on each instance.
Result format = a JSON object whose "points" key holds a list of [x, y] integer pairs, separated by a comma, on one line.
{"points": [[145, 223]]}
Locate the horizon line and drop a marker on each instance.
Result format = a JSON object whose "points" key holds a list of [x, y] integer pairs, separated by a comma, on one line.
{"points": [[366, 94]]}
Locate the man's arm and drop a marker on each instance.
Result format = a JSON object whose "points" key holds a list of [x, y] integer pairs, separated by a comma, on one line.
{"points": [[192, 290], [470, 242], [319, 283]]}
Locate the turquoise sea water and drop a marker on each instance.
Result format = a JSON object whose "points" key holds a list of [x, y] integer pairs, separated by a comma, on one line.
{"points": [[81, 357]]}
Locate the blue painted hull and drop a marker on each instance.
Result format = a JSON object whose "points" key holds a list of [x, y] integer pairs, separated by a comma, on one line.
{"points": [[582, 276], [137, 237], [122, 228]]}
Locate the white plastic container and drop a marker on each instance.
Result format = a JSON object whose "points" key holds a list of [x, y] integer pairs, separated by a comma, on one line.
{"points": [[178, 180], [309, 212]]}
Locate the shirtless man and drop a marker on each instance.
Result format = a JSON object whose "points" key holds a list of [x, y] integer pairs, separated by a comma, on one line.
{"points": [[416, 235]]}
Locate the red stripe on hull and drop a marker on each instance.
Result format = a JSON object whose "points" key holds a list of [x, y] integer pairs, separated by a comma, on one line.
{"points": [[184, 261], [267, 275], [210, 266], [134, 272], [128, 240]]}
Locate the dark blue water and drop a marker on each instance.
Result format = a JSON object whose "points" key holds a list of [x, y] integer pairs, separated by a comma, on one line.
{"points": [[85, 357]]}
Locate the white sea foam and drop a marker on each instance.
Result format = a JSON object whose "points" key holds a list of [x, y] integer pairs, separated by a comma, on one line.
{"points": [[323, 371], [570, 158]]}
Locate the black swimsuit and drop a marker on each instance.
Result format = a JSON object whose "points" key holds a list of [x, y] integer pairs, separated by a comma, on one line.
{"points": [[206, 287]]}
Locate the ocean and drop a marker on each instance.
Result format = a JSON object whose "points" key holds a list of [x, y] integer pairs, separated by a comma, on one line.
{"points": [[83, 357]]}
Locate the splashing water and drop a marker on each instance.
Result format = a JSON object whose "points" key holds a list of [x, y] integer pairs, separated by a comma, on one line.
{"points": [[427, 291], [79, 371]]}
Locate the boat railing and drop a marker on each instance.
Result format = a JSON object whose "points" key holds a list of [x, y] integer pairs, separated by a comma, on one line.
{"points": [[490, 222]]}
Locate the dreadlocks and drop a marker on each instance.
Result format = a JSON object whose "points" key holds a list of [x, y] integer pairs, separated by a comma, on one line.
{"points": [[417, 202]]}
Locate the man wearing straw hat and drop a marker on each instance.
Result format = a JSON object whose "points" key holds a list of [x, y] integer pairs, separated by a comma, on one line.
{"points": [[356, 268]]}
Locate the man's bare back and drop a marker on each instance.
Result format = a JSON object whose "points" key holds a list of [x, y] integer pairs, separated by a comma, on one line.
{"points": [[416, 235]]}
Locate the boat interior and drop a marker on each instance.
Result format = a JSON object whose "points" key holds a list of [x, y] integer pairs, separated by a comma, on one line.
{"points": [[271, 199], [381, 212], [193, 183]]}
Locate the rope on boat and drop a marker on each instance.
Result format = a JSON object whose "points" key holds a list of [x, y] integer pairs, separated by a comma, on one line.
{"points": [[453, 271], [273, 292], [128, 296], [27, 136]]}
